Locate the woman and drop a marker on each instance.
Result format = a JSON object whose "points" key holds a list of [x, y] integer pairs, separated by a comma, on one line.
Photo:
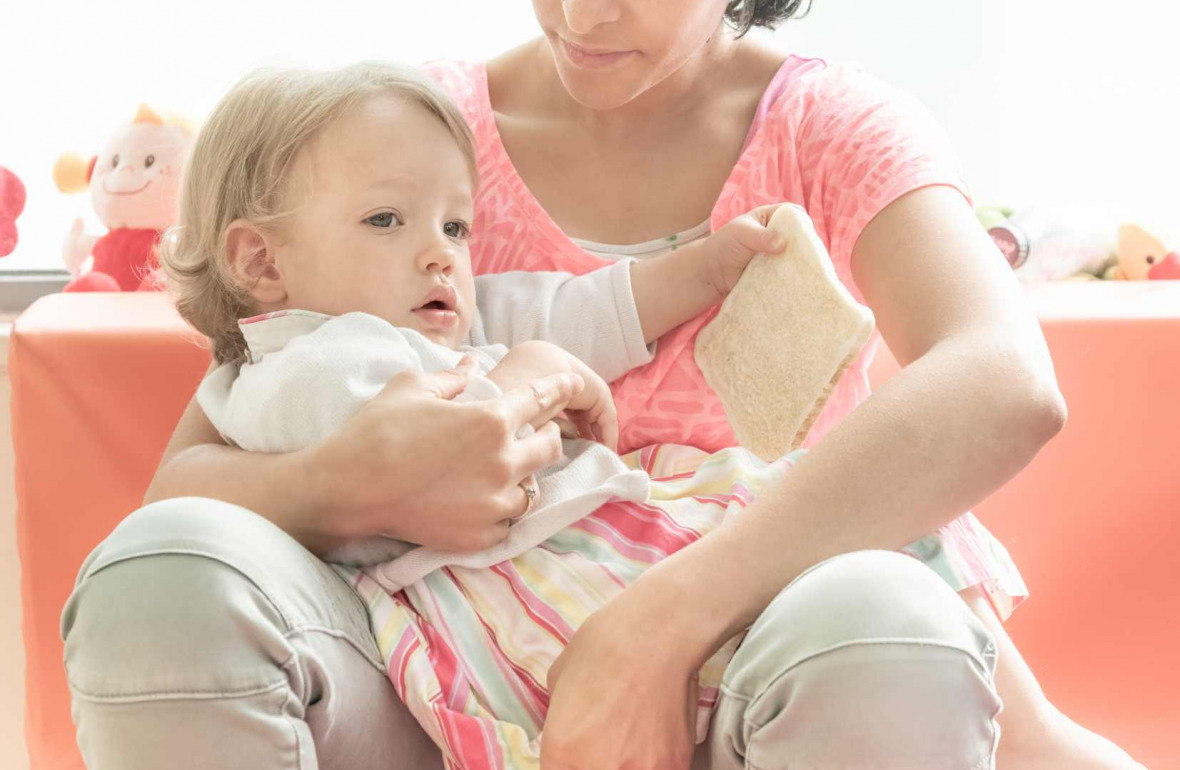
{"points": [[628, 122]]}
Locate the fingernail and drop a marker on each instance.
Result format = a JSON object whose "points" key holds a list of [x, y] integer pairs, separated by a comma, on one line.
{"points": [[778, 243]]}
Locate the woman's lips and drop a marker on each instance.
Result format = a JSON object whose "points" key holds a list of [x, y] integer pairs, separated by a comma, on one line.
{"points": [[580, 57]]}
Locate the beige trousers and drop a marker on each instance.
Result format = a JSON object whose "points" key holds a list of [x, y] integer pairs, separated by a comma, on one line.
{"points": [[200, 635]]}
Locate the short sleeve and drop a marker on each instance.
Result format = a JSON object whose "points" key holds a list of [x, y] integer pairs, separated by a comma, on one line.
{"points": [[861, 145]]}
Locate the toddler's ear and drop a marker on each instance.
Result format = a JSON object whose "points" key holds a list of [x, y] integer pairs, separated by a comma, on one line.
{"points": [[250, 254]]}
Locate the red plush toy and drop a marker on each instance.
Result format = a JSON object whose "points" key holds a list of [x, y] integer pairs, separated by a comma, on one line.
{"points": [[12, 203], [134, 186]]}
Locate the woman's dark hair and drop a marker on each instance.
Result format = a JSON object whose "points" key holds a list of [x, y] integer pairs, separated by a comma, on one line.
{"points": [[744, 14]]}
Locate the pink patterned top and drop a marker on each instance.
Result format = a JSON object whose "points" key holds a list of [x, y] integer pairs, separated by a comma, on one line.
{"points": [[829, 137]]}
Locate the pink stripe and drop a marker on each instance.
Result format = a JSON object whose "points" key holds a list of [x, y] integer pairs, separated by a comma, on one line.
{"points": [[641, 532], [406, 647], [540, 613]]}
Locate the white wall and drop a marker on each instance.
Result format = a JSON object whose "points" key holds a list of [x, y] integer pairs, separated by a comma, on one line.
{"points": [[1072, 102], [1075, 102]]}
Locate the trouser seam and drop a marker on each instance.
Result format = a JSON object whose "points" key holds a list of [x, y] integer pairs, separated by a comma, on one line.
{"points": [[245, 692], [338, 634], [176, 694], [282, 714], [203, 554], [290, 626]]}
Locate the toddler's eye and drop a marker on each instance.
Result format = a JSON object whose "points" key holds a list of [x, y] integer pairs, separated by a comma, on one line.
{"points": [[384, 219], [456, 229], [149, 161]]}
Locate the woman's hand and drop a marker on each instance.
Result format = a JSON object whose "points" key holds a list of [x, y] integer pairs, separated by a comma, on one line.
{"points": [[414, 465], [620, 697], [725, 253]]}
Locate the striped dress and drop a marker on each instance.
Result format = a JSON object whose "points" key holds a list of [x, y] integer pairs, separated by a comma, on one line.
{"points": [[469, 650]]}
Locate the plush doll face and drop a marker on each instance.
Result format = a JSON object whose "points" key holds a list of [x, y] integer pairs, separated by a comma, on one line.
{"points": [[1142, 256], [136, 179]]}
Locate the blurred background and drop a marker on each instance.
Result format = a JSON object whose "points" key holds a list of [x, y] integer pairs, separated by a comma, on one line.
{"points": [[1048, 102]]}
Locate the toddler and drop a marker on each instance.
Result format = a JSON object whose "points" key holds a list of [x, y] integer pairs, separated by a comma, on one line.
{"points": [[322, 247]]}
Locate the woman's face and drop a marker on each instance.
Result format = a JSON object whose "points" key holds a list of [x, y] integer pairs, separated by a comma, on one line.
{"points": [[610, 51]]}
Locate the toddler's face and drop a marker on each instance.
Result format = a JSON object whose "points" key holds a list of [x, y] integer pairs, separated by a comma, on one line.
{"points": [[382, 214]]}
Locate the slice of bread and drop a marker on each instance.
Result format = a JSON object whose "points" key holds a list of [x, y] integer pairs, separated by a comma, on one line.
{"points": [[783, 338]]}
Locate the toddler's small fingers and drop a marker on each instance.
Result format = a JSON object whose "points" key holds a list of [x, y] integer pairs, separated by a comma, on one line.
{"points": [[760, 239], [764, 213], [774, 243]]}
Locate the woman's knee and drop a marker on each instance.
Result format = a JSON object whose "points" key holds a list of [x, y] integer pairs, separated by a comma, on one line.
{"points": [[197, 595], [198, 618], [164, 605], [867, 656], [878, 595]]}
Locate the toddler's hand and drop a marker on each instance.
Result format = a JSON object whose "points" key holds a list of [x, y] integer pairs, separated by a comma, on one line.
{"points": [[592, 411], [730, 249]]}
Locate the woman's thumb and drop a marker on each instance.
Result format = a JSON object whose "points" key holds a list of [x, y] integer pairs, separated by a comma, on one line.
{"points": [[444, 384]]}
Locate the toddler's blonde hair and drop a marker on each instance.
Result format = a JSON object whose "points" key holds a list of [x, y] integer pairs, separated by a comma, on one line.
{"points": [[239, 168]]}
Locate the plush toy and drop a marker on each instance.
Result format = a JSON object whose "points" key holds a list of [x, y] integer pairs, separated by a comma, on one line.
{"points": [[1142, 257], [12, 203], [134, 186], [1048, 244]]}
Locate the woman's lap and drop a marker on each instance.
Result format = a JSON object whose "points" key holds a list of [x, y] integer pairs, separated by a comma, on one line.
{"points": [[208, 629], [201, 630]]}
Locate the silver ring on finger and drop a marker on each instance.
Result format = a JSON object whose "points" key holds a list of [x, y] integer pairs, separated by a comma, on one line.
{"points": [[529, 485]]}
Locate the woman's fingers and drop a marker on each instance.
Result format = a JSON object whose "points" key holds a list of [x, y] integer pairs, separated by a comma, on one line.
{"points": [[539, 402], [538, 451], [444, 384]]}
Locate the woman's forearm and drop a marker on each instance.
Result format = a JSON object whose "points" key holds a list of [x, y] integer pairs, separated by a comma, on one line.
{"points": [[934, 441], [278, 487]]}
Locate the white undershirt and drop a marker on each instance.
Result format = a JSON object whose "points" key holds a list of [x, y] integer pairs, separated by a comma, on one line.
{"points": [[647, 249]]}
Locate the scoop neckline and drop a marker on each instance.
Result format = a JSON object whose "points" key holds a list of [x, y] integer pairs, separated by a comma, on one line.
{"points": [[537, 213], [645, 247]]}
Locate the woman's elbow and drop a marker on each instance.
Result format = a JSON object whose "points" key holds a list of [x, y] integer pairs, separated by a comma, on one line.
{"points": [[1040, 413]]}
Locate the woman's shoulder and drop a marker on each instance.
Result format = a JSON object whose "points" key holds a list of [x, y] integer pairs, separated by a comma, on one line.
{"points": [[809, 87]]}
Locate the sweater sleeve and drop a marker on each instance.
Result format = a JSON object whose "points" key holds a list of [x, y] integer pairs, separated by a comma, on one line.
{"points": [[592, 316]]}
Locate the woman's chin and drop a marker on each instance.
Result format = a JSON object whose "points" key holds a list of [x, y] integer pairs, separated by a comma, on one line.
{"points": [[597, 90]]}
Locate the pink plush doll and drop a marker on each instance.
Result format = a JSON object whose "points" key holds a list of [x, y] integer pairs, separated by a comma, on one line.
{"points": [[134, 186], [12, 203]]}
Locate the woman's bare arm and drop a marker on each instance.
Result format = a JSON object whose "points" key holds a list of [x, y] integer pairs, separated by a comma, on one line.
{"points": [[198, 463], [394, 469], [976, 402]]}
